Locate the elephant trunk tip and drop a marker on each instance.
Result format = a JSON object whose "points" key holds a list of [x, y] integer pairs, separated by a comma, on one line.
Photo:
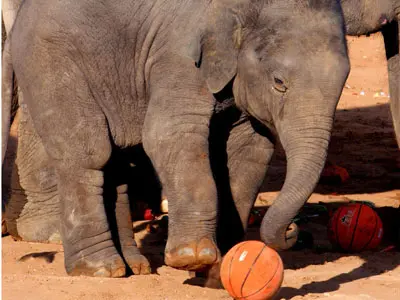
{"points": [[282, 239]]}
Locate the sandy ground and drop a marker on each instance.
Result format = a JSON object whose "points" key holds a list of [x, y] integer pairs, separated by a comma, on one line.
{"points": [[363, 143]]}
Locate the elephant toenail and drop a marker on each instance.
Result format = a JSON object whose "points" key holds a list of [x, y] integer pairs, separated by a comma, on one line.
{"points": [[207, 251], [186, 252]]}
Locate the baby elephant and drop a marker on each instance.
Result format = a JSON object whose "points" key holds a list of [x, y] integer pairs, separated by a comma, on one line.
{"points": [[97, 76]]}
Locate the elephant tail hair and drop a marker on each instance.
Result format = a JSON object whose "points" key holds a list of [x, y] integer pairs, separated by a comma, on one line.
{"points": [[6, 94]]}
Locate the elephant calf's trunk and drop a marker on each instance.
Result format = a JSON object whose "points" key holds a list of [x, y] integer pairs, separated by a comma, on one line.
{"points": [[305, 164]]}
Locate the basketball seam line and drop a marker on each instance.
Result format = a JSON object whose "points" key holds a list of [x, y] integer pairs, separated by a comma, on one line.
{"points": [[230, 265], [272, 277], [337, 228], [276, 270], [373, 234], [355, 228], [248, 273]]}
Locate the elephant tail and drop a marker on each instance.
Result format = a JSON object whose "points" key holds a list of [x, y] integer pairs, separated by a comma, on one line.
{"points": [[6, 94]]}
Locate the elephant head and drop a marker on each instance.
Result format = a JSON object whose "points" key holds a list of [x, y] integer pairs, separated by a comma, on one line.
{"points": [[288, 63]]}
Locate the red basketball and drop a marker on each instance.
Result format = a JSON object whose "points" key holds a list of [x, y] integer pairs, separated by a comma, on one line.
{"points": [[252, 271], [355, 227]]}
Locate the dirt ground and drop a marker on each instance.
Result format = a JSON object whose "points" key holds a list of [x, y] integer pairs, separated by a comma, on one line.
{"points": [[363, 142]]}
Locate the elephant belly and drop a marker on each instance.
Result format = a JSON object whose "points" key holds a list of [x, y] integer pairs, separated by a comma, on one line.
{"points": [[126, 126]]}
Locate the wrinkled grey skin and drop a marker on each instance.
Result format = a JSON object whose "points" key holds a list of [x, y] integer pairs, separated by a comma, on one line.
{"points": [[26, 170], [30, 197], [369, 16], [93, 78]]}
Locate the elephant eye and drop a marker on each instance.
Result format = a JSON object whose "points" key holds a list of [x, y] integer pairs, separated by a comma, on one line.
{"points": [[279, 85]]}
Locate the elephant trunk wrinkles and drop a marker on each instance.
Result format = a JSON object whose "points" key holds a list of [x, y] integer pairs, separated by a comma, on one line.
{"points": [[306, 152]]}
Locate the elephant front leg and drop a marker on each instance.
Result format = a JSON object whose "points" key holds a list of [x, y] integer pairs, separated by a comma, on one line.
{"points": [[176, 139], [239, 168], [79, 153], [391, 37], [249, 150]]}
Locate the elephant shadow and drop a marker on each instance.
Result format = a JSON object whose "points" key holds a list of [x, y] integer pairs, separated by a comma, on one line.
{"points": [[372, 265]]}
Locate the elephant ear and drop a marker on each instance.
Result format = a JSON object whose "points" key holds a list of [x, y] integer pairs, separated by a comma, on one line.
{"points": [[219, 49]]}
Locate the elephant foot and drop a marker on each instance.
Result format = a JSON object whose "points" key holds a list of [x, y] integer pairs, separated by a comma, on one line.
{"points": [[197, 255], [41, 229], [99, 264], [136, 261]]}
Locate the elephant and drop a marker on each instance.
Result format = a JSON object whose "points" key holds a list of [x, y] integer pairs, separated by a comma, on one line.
{"points": [[363, 17], [93, 80]]}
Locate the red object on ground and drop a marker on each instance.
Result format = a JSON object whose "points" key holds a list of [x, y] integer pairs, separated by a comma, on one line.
{"points": [[252, 271], [256, 216], [335, 171], [355, 227], [148, 214], [251, 220]]}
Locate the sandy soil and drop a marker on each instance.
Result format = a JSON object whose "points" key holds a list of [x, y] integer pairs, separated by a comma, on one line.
{"points": [[363, 143]]}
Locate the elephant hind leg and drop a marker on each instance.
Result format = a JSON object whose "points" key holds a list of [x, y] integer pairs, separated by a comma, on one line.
{"points": [[119, 213], [85, 230], [33, 209], [240, 155], [75, 135], [14, 205], [10, 183], [391, 37], [248, 154]]}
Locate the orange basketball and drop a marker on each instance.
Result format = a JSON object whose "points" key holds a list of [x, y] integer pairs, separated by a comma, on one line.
{"points": [[355, 227], [252, 271]]}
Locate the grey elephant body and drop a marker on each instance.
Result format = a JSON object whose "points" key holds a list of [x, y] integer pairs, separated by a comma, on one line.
{"points": [[363, 17], [98, 80], [30, 197]]}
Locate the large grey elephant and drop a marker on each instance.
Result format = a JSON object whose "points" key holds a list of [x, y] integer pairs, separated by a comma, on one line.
{"points": [[98, 77], [363, 17]]}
